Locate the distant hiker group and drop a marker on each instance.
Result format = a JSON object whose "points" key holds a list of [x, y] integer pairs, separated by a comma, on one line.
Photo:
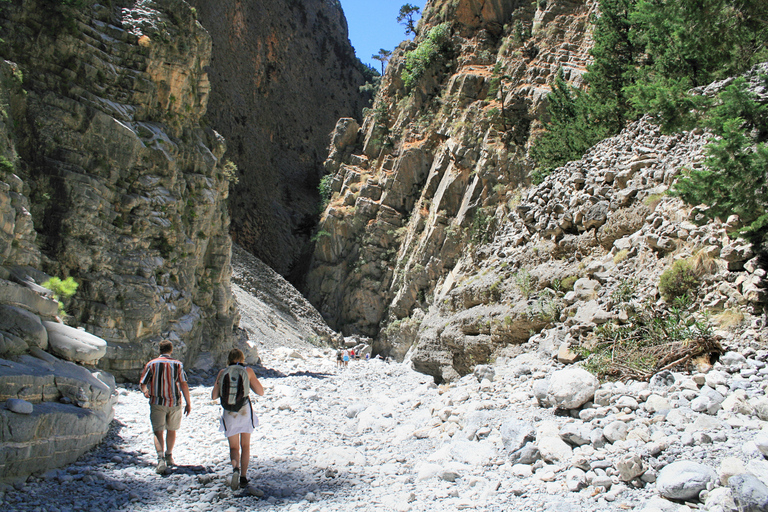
{"points": [[344, 356], [164, 381]]}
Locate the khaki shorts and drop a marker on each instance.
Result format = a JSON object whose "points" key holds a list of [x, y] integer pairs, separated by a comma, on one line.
{"points": [[164, 417]]}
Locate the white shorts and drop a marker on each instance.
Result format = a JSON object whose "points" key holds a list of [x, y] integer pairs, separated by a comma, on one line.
{"points": [[240, 422]]}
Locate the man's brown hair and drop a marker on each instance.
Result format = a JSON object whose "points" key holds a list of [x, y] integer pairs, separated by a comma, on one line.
{"points": [[166, 347]]}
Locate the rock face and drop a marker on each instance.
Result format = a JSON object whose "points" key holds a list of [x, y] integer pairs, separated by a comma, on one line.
{"points": [[109, 176], [69, 409], [282, 73], [436, 243], [273, 312], [427, 159]]}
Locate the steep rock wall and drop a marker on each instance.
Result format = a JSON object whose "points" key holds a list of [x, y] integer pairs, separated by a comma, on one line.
{"points": [[436, 243], [124, 184], [282, 73], [408, 184]]}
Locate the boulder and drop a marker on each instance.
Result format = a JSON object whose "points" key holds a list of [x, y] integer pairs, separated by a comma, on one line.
{"points": [[749, 493], [571, 388], [684, 480], [708, 401], [74, 344], [630, 466], [515, 434]]}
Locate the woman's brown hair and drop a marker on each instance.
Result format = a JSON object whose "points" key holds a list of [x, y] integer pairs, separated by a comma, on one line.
{"points": [[235, 356]]}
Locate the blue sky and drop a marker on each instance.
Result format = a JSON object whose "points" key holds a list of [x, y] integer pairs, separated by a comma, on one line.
{"points": [[373, 25]]}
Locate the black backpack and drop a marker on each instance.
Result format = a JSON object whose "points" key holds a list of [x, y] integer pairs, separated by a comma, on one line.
{"points": [[234, 388]]}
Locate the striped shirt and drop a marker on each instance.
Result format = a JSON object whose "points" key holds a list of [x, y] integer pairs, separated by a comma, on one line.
{"points": [[162, 376]]}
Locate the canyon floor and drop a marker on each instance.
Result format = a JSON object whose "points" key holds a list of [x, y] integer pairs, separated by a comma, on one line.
{"points": [[378, 435]]}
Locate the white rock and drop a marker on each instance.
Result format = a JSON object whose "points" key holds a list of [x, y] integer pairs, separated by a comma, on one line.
{"points": [[571, 388], [74, 344], [708, 401], [630, 466], [730, 466], [615, 431], [339, 456], [554, 449], [684, 480], [720, 497], [717, 378], [656, 403], [738, 402], [575, 479], [761, 441]]}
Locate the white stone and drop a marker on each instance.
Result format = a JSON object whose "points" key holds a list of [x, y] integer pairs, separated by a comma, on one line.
{"points": [[571, 388], [656, 403], [74, 344], [615, 431], [730, 466], [630, 466], [684, 480]]}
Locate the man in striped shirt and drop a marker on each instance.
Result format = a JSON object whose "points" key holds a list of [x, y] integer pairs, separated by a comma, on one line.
{"points": [[163, 381]]}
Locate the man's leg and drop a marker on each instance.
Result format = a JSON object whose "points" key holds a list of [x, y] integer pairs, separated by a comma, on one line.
{"points": [[161, 464], [170, 441], [159, 443]]}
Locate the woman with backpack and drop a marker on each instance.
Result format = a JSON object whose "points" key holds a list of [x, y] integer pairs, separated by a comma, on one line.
{"points": [[233, 385]]}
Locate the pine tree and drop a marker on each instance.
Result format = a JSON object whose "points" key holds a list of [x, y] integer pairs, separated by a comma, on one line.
{"points": [[735, 177]]}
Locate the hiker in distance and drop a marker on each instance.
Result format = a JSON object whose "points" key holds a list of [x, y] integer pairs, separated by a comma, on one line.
{"points": [[163, 381], [233, 385]]}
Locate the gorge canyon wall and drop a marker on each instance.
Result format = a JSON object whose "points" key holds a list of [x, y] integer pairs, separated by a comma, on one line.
{"points": [[282, 73], [118, 175], [436, 243]]}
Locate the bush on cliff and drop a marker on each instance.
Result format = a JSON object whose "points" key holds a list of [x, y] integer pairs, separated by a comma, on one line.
{"points": [[429, 49]]}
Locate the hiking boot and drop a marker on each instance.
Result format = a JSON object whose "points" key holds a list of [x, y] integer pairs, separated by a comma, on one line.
{"points": [[235, 483], [161, 466], [243, 482], [169, 460]]}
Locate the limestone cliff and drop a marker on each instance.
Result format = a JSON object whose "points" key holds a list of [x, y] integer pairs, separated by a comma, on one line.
{"points": [[434, 240], [282, 73], [122, 182], [431, 155]]}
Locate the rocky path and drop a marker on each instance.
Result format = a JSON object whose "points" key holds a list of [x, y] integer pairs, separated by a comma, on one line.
{"points": [[377, 435]]}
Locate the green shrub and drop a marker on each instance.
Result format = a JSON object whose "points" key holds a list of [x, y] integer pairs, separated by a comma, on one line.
{"points": [[567, 283], [229, 171], [679, 280], [417, 61], [62, 290], [6, 165], [325, 190], [649, 341]]}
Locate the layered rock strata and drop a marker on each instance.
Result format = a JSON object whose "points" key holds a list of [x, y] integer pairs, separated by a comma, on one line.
{"points": [[282, 73], [122, 182]]}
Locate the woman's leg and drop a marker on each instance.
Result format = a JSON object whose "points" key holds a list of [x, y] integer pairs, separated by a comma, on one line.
{"points": [[234, 450], [245, 453]]}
